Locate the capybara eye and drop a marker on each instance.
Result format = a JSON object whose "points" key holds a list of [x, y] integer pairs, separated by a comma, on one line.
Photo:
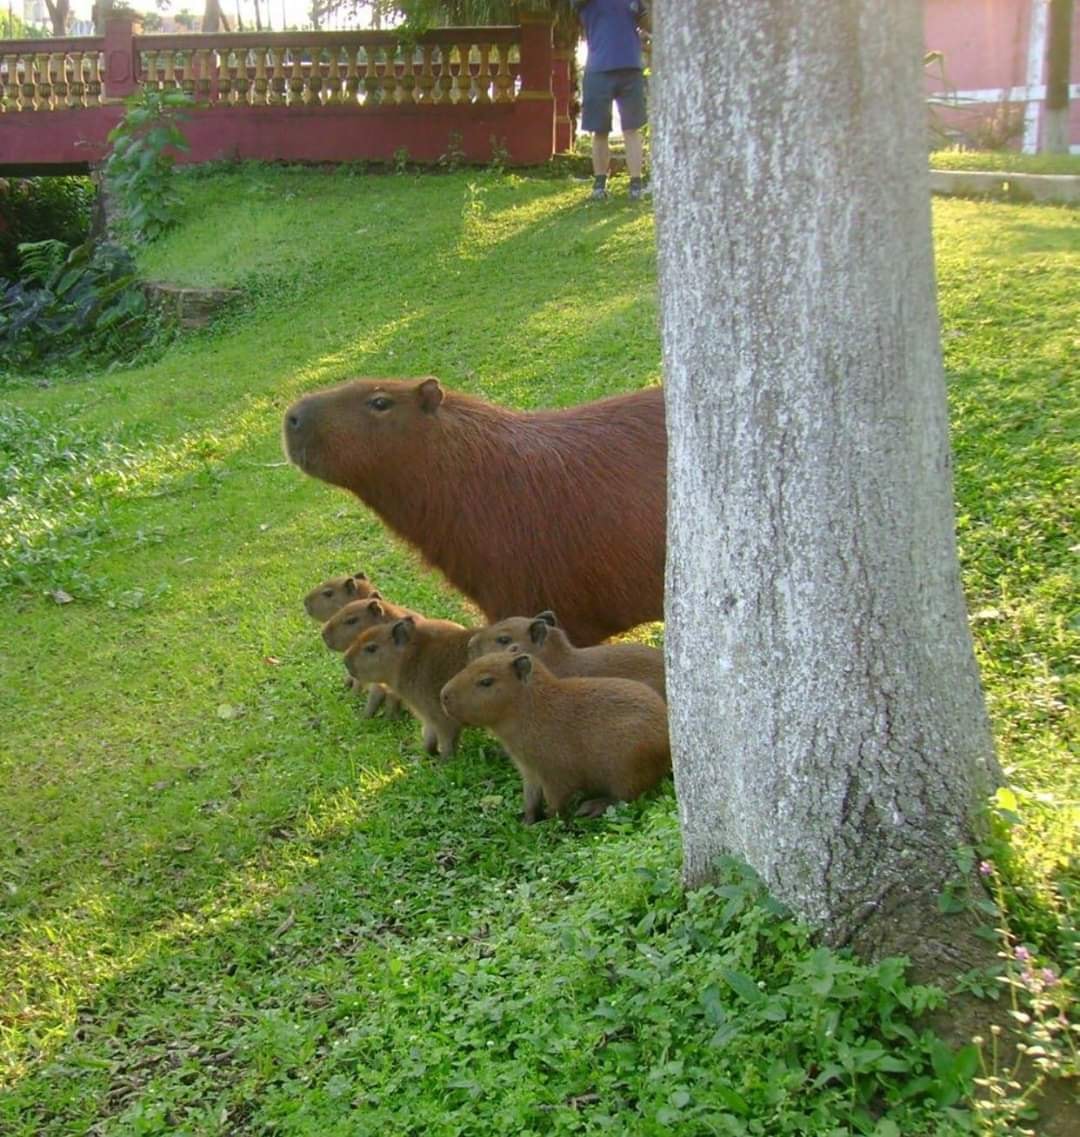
{"points": [[353, 620], [371, 648], [502, 639], [487, 681], [328, 593], [380, 403]]}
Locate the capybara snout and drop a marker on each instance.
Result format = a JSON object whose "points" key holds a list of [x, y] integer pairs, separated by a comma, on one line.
{"points": [[299, 439]]}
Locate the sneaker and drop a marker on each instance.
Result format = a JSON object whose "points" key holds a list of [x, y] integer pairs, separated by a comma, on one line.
{"points": [[640, 192], [599, 193]]}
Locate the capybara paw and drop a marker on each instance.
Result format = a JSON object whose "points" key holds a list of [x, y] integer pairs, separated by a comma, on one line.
{"points": [[594, 807]]}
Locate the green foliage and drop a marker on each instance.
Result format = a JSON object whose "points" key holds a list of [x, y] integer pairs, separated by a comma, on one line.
{"points": [[1010, 161], [500, 156], [228, 905], [139, 167], [12, 27], [56, 483], [72, 306], [42, 260], [39, 209], [453, 157]]}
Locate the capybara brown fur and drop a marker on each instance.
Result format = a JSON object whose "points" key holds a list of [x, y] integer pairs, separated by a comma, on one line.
{"points": [[604, 737], [542, 638], [333, 594], [415, 658], [323, 601], [520, 510], [345, 625]]}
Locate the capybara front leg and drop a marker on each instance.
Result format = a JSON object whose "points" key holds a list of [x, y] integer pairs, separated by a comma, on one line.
{"points": [[594, 807], [533, 798], [376, 696], [448, 740]]}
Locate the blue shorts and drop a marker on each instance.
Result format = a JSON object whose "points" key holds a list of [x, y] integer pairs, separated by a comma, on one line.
{"points": [[599, 88]]}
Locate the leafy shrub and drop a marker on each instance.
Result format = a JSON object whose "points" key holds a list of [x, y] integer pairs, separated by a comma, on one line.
{"points": [[453, 158], [139, 167], [37, 209], [72, 304]]}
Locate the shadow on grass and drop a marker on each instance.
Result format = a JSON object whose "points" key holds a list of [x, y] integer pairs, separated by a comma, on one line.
{"points": [[146, 822], [386, 864]]}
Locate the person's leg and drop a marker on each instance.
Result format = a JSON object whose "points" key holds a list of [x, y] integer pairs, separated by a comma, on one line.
{"points": [[596, 118], [630, 96], [601, 154], [635, 157]]}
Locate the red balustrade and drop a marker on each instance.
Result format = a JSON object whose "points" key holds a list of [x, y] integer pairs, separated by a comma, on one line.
{"points": [[296, 96]]}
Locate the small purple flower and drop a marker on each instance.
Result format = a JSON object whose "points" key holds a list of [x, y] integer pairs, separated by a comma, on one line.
{"points": [[986, 868], [1022, 954], [1048, 976]]}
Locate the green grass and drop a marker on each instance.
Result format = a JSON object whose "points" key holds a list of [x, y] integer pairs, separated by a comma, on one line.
{"points": [[228, 905], [1008, 160]]}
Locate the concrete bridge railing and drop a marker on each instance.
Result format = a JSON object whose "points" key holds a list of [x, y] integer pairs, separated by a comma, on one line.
{"points": [[294, 96]]}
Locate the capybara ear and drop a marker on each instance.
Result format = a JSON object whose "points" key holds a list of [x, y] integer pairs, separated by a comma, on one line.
{"points": [[522, 666], [402, 631], [374, 607], [350, 586], [548, 617], [430, 394], [538, 630], [375, 594], [359, 576]]}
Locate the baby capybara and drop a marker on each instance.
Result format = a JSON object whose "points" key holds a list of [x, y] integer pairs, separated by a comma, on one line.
{"points": [[323, 601], [520, 510], [333, 594], [607, 737], [415, 658], [542, 638], [345, 625]]}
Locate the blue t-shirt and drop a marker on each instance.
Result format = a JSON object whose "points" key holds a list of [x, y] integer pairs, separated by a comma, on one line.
{"points": [[611, 33]]}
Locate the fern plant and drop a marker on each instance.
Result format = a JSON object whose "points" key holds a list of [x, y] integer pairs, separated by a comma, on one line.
{"points": [[72, 304]]}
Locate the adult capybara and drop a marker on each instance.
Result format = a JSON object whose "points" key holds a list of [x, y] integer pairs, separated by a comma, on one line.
{"points": [[542, 638], [415, 658], [345, 625], [333, 594], [607, 737], [520, 510]]}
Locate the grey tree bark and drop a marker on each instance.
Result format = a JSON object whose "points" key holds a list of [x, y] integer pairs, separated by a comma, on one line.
{"points": [[828, 724], [59, 13], [1058, 66]]}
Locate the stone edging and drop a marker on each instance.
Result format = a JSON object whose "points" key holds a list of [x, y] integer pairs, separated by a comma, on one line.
{"points": [[192, 308], [1061, 188]]}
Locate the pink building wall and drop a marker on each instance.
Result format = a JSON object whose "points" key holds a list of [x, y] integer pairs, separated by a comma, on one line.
{"points": [[995, 62]]}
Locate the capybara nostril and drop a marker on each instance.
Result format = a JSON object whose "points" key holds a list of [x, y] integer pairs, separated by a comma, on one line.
{"points": [[294, 420]]}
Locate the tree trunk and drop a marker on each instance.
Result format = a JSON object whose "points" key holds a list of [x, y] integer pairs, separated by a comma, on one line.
{"points": [[828, 724], [1058, 65], [212, 18], [58, 10]]}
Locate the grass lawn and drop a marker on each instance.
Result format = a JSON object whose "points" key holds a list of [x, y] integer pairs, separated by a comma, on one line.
{"points": [[1010, 161], [230, 906]]}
